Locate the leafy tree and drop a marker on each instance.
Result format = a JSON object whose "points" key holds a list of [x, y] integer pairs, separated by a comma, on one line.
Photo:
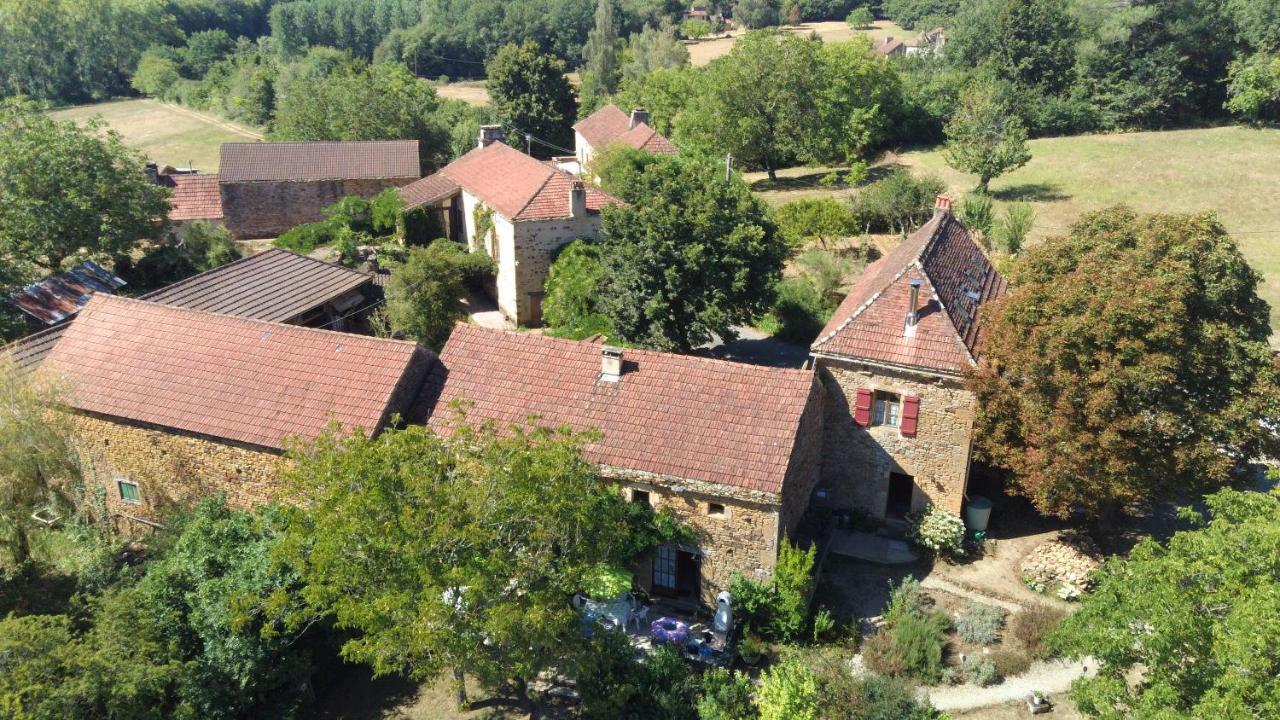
{"points": [[459, 553], [726, 695], [155, 75], [99, 201], [206, 48], [195, 247], [695, 28], [854, 101], [1031, 43], [898, 202], [860, 18], [823, 219], [602, 70], [788, 691], [756, 13], [1254, 90], [916, 14], [651, 49], [690, 256], [425, 294], [983, 138], [571, 307], [1199, 616], [1129, 364], [664, 92], [531, 94]]}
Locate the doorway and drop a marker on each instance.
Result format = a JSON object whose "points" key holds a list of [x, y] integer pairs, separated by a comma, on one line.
{"points": [[901, 489], [676, 573]]}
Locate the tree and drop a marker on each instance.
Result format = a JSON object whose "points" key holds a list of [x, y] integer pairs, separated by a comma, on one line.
{"points": [[1128, 364], [695, 28], [458, 552], [531, 94], [155, 75], [823, 219], [853, 103], [860, 18], [1200, 616], [756, 13], [571, 307], [1031, 43], [664, 92], [690, 256], [788, 691], [652, 49], [69, 190], [1254, 90], [602, 69], [425, 294], [983, 138], [206, 48]]}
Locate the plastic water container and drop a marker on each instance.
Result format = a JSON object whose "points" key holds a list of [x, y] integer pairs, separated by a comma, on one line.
{"points": [[977, 513]]}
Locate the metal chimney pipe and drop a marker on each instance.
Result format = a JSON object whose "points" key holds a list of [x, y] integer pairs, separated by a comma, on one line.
{"points": [[914, 315]]}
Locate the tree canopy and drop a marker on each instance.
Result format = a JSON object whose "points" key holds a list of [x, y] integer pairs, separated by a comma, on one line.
{"points": [[1129, 363], [984, 137], [425, 293], [531, 94]]}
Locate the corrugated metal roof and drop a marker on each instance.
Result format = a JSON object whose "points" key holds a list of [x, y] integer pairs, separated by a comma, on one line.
{"points": [[60, 296], [247, 162]]}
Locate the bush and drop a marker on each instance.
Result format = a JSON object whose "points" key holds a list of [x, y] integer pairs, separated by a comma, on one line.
{"points": [[614, 683], [977, 211], [1033, 624], [424, 295], [869, 697], [788, 691], [800, 310], [938, 531], [980, 624], [897, 203], [305, 238], [571, 307], [913, 646], [980, 671], [823, 219], [726, 695], [904, 599], [778, 610], [824, 624], [1012, 230], [1009, 663]]}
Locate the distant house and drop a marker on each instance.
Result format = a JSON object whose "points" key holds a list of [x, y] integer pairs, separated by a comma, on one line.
{"points": [[926, 43], [892, 47], [276, 285], [172, 405], [58, 297], [610, 125], [732, 449], [899, 421], [514, 208], [268, 188]]}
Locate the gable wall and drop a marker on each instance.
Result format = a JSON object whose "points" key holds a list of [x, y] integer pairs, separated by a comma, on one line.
{"points": [[266, 209], [536, 242]]}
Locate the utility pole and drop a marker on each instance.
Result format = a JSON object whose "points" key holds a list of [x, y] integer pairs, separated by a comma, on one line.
{"points": [[728, 167]]}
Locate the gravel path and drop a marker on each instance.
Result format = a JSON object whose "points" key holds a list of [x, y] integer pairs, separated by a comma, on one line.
{"points": [[1050, 677]]}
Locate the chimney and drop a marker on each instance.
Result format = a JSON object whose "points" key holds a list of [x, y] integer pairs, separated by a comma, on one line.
{"points": [[578, 199], [490, 134], [639, 115], [610, 363], [914, 315], [942, 205], [153, 173]]}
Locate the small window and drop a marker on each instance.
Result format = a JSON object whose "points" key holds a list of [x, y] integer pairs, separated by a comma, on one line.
{"points": [[129, 491], [639, 497], [887, 409], [715, 508]]}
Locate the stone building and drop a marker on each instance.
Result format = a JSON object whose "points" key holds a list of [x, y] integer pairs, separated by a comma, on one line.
{"points": [[899, 422], [268, 188], [173, 405], [733, 450], [610, 125], [514, 208]]}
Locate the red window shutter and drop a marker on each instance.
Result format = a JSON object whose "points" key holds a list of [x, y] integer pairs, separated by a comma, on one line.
{"points": [[862, 408], [910, 415]]}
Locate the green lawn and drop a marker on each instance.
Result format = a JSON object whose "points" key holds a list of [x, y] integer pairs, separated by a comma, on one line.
{"points": [[165, 133]]}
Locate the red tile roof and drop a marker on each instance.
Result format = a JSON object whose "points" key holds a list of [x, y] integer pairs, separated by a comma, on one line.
{"points": [[682, 416], [430, 189], [956, 279], [242, 380], [247, 162], [517, 186], [610, 124], [195, 197]]}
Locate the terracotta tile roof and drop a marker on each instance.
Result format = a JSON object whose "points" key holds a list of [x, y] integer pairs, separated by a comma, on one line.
{"points": [[246, 162], [60, 296], [687, 417], [517, 186], [889, 46], [241, 380], [430, 189], [195, 197], [956, 279], [610, 124], [275, 285]]}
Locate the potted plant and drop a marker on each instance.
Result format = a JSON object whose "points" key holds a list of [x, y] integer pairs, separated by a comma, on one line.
{"points": [[1037, 703], [751, 648]]}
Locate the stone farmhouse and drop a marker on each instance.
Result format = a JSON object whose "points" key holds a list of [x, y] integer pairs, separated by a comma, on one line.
{"points": [[610, 125], [899, 422], [514, 208], [926, 43], [733, 450], [172, 405], [268, 188]]}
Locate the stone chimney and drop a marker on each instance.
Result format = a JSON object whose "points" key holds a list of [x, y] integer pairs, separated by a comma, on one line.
{"points": [[153, 173], [942, 205], [913, 316], [610, 363], [490, 134], [639, 115], [578, 199]]}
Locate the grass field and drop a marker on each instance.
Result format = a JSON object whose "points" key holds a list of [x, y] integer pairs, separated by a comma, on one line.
{"points": [[165, 133], [704, 51], [472, 92]]}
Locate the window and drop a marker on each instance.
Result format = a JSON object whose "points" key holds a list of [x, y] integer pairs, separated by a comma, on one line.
{"points": [[664, 568], [715, 508], [129, 491], [887, 410], [639, 496]]}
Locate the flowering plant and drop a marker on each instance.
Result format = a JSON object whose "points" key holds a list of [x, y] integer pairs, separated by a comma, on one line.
{"points": [[938, 531]]}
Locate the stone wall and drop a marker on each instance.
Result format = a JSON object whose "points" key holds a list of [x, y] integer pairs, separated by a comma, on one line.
{"points": [[805, 469], [857, 460], [171, 469], [266, 209]]}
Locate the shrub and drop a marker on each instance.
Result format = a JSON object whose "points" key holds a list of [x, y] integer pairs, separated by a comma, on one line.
{"points": [[1012, 230], [800, 310], [904, 599], [571, 306], [822, 219], [938, 531], [613, 682], [726, 695], [1010, 663], [305, 238], [1032, 625], [980, 624], [977, 211], [868, 697], [913, 646], [788, 691], [695, 29], [897, 203], [823, 625], [780, 609], [980, 671]]}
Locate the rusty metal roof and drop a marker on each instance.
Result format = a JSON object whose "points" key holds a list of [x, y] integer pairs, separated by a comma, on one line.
{"points": [[247, 162], [60, 296]]}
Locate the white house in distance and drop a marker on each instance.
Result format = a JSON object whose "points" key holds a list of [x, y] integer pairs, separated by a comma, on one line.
{"points": [[610, 125], [517, 209]]}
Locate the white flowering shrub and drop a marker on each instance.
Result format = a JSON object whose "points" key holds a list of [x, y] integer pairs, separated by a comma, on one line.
{"points": [[938, 531]]}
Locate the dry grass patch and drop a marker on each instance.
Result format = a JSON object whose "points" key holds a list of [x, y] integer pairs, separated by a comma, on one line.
{"points": [[702, 52]]}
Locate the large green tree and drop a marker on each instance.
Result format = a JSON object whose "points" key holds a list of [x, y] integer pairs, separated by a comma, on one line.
{"points": [[425, 294], [1129, 363], [1028, 42], [65, 190], [651, 49], [984, 137], [531, 94], [601, 57], [1187, 629], [459, 553]]}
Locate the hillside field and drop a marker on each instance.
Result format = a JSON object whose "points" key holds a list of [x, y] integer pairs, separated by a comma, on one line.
{"points": [[167, 134], [702, 52]]}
